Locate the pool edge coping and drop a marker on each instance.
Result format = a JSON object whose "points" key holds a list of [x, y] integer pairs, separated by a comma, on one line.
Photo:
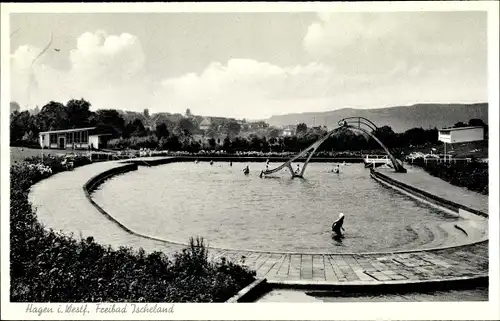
{"points": [[364, 285], [251, 292], [262, 286], [133, 164]]}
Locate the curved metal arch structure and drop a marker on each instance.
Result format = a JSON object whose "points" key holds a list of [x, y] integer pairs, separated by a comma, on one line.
{"points": [[359, 121], [350, 123], [311, 150]]}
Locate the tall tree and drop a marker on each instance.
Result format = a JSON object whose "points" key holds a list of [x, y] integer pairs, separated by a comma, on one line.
{"points": [[227, 144], [78, 112], [301, 128], [187, 126], [232, 128], [135, 128], [386, 135], [20, 123], [110, 121], [477, 122], [212, 143], [53, 116], [414, 136], [161, 131], [273, 133]]}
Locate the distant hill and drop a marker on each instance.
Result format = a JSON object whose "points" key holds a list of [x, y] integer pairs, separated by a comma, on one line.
{"points": [[399, 118]]}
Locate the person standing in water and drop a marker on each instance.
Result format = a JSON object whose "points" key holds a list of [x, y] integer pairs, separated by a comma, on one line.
{"points": [[337, 226]]}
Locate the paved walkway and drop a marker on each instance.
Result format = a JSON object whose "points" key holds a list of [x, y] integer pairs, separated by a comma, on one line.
{"points": [[61, 205], [420, 179], [466, 261]]}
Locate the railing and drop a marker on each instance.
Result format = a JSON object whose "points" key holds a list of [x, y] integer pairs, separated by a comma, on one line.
{"points": [[371, 157], [442, 160]]}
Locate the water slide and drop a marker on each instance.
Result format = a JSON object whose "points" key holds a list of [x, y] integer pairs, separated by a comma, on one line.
{"points": [[353, 123], [312, 148]]}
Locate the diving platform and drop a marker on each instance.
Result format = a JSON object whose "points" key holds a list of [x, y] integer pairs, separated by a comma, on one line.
{"points": [[374, 161]]}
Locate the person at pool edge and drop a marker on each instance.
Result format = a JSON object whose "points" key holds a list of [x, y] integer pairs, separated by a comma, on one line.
{"points": [[337, 226]]}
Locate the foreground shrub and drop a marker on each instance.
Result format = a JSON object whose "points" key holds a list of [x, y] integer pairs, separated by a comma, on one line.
{"points": [[51, 267]]}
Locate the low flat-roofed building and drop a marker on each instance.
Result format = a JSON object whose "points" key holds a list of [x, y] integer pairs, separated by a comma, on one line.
{"points": [[461, 134], [206, 123], [75, 138], [288, 130]]}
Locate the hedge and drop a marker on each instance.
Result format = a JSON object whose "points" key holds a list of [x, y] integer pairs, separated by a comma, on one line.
{"points": [[48, 266]]}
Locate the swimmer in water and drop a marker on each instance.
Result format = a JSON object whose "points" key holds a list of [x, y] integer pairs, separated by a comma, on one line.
{"points": [[337, 226], [211, 162], [230, 163], [297, 171], [246, 170]]}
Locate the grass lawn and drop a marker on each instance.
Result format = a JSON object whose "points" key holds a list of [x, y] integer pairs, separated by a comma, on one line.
{"points": [[19, 154]]}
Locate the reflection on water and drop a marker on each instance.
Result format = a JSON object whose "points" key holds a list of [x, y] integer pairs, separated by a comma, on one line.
{"points": [[233, 210]]}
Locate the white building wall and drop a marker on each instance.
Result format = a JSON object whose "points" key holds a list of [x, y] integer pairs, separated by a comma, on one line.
{"points": [[444, 137], [467, 135], [94, 140], [44, 140], [461, 136]]}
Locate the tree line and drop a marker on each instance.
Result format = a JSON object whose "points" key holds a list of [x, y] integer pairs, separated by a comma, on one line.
{"points": [[184, 133]]}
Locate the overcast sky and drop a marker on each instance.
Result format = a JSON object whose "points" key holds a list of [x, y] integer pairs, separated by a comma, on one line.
{"points": [[250, 65]]}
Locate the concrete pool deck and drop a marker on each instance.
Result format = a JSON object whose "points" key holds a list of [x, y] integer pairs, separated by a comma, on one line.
{"points": [[61, 204], [420, 179]]}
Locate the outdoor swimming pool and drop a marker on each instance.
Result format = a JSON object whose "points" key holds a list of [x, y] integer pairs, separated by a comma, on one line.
{"points": [[231, 210]]}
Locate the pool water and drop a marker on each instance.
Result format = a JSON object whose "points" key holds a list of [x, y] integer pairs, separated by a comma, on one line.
{"points": [[232, 210]]}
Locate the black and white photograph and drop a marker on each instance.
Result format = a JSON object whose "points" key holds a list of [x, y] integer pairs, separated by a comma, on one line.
{"points": [[161, 155]]}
